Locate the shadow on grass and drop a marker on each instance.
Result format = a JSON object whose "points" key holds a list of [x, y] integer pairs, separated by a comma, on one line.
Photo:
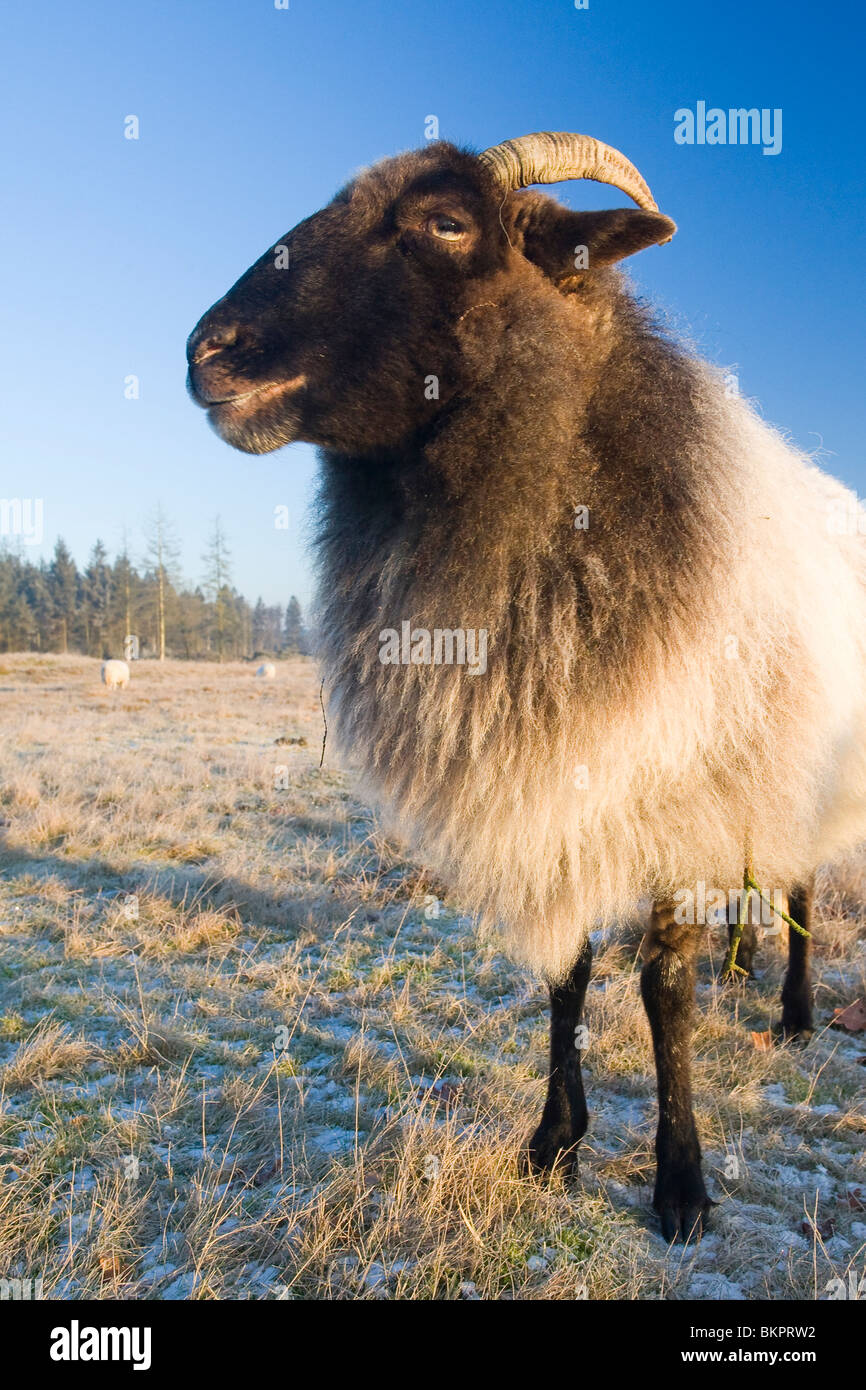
{"points": [[287, 908]]}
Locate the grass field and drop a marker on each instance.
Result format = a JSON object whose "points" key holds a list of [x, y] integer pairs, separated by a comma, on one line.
{"points": [[248, 1050]]}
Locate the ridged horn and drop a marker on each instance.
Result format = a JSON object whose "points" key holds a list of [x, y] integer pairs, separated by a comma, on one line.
{"points": [[552, 156]]}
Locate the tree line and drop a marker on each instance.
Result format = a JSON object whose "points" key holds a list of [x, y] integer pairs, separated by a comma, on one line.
{"points": [[52, 606]]}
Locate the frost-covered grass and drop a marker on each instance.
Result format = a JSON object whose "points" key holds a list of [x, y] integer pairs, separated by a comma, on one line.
{"points": [[242, 1057]]}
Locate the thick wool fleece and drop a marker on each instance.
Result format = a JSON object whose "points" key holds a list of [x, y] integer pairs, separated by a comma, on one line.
{"points": [[685, 672]]}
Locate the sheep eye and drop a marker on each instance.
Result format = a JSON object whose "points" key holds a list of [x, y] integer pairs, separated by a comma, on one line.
{"points": [[446, 228]]}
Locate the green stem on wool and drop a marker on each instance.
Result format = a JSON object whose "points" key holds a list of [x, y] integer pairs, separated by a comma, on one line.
{"points": [[749, 885], [749, 882]]}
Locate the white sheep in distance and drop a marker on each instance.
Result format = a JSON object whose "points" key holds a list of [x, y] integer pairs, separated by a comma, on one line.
{"points": [[672, 598], [115, 674], [267, 671]]}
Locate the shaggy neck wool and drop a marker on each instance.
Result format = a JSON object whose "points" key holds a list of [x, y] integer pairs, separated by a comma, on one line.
{"points": [[652, 570]]}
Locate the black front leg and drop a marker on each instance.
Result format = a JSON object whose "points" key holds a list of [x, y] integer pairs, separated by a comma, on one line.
{"points": [[563, 1122], [797, 987], [667, 985]]}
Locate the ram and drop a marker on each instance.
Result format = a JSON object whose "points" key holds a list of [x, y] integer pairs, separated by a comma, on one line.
{"points": [[675, 674]]}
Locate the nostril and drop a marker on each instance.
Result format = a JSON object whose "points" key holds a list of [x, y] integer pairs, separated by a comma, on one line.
{"points": [[216, 341]]}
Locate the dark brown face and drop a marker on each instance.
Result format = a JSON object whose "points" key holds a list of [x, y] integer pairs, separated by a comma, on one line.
{"points": [[344, 334], [333, 336]]}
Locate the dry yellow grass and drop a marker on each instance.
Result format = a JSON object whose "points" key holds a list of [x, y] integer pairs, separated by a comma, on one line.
{"points": [[241, 1058]]}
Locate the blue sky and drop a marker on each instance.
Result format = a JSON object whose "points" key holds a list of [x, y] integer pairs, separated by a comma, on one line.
{"points": [[251, 118]]}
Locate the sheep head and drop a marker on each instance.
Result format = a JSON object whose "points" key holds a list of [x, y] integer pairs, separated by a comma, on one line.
{"points": [[334, 335]]}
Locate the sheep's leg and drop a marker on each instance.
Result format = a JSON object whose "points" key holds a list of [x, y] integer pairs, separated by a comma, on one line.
{"points": [[797, 986], [667, 985], [563, 1121]]}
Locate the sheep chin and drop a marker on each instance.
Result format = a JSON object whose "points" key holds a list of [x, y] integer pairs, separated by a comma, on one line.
{"points": [[252, 437], [252, 424]]}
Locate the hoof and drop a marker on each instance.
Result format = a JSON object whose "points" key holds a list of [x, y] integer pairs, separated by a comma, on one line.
{"points": [[684, 1223], [798, 1032], [682, 1205], [549, 1150]]}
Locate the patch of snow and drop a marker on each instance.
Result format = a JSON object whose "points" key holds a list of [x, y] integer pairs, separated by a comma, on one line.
{"points": [[814, 1180], [715, 1287], [334, 1141], [181, 1288], [775, 1095]]}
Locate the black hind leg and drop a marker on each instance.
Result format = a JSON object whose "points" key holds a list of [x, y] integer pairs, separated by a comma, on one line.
{"points": [[563, 1121], [667, 985], [797, 1017]]}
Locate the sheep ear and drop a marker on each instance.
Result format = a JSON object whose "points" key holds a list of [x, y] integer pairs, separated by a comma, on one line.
{"points": [[565, 243]]}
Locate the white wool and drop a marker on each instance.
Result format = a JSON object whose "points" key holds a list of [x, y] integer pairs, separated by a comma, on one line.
{"points": [[753, 723], [267, 671], [749, 718], [115, 674]]}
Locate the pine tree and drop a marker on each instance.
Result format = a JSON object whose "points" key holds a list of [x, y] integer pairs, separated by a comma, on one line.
{"points": [[259, 626], [192, 623], [217, 560], [96, 596], [36, 611], [63, 592], [163, 552], [293, 635], [124, 586]]}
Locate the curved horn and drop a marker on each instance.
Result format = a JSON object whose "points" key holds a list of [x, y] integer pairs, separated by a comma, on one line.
{"points": [[553, 156]]}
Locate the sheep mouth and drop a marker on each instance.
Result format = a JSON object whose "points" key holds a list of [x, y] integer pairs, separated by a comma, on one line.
{"points": [[267, 390], [258, 420]]}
